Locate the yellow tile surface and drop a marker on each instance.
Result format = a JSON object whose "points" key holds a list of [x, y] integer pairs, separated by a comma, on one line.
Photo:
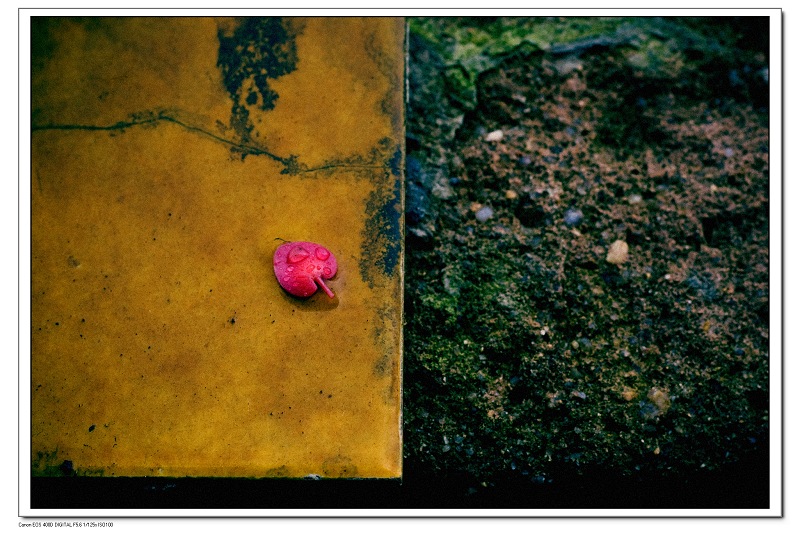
{"points": [[171, 157]]}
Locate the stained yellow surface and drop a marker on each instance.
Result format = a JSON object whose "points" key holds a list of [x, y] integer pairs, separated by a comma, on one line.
{"points": [[161, 186]]}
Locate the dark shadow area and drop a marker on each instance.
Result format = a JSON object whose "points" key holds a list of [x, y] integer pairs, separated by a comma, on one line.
{"points": [[743, 485]]}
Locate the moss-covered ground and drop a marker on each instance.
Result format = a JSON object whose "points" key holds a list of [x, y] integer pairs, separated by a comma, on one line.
{"points": [[588, 262]]}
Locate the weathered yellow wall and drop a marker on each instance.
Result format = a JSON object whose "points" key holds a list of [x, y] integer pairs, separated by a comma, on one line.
{"points": [[161, 341]]}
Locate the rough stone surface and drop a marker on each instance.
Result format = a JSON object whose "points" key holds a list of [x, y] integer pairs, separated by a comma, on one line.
{"points": [[531, 362]]}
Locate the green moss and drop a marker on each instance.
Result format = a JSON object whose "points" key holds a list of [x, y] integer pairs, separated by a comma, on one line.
{"points": [[50, 464], [47, 464]]}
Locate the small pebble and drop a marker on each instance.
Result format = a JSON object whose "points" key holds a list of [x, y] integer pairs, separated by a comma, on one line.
{"points": [[617, 252], [568, 65], [495, 135], [441, 189], [660, 399], [628, 394], [484, 213], [573, 217]]}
